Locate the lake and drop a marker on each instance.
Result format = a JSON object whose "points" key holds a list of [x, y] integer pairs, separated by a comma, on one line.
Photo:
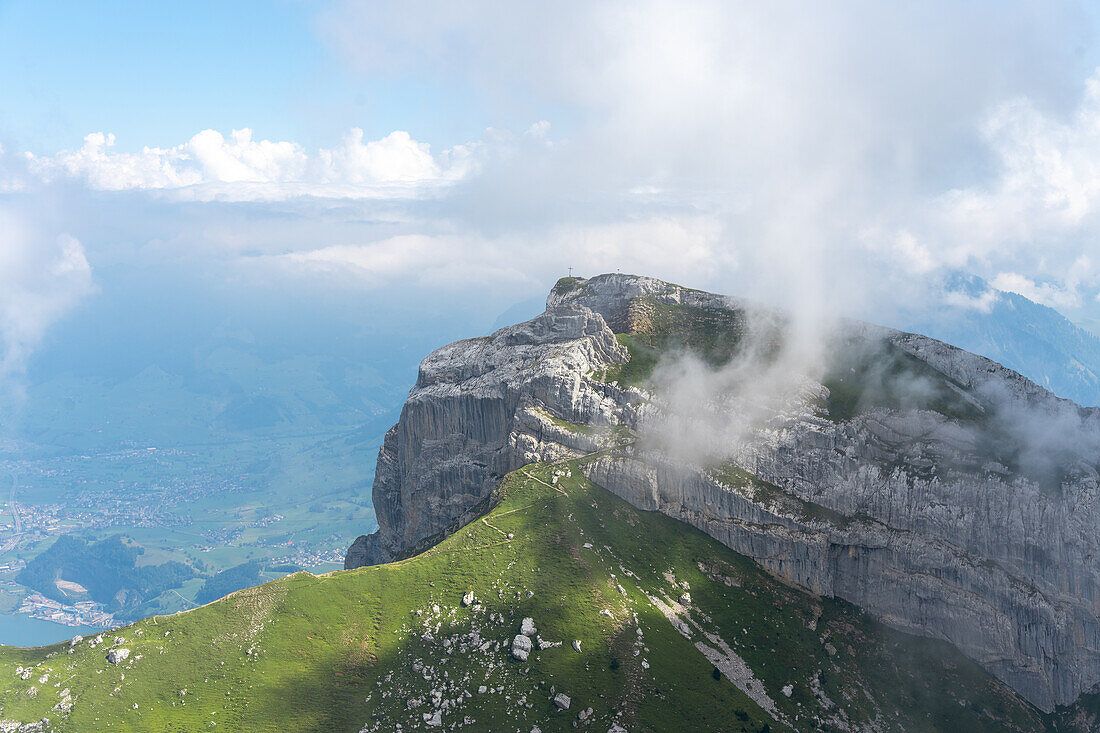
{"points": [[17, 629]]}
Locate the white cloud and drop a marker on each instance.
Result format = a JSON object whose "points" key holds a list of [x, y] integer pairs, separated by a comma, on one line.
{"points": [[806, 154], [396, 157], [1049, 181], [982, 302], [209, 166], [916, 257], [674, 246], [395, 257], [1035, 222], [823, 137], [95, 164], [42, 276], [1055, 295], [245, 160]]}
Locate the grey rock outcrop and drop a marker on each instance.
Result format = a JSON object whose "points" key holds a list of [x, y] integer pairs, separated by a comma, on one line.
{"points": [[521, 647], [118, 655], [481, 408], [970, 517]]}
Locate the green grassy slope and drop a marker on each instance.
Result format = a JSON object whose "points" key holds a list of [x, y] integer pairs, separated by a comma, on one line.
{"points": [[365, 649]]}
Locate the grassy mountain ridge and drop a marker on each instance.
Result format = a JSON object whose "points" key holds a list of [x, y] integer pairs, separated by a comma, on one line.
{"points": [[380, 646]]}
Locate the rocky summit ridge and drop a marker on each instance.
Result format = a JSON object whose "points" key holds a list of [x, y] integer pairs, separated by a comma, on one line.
{"points": [[947, 496]]}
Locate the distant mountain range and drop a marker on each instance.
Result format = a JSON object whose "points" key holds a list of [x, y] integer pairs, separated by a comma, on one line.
{"points": [[1032, 339]]}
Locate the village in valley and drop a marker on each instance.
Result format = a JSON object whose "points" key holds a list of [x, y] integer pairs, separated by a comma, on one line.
{"points": [[81, 613], [173, 505]]}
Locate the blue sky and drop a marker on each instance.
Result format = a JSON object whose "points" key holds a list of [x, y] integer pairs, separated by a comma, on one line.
{"points": [[156, 73], [842, 157]]}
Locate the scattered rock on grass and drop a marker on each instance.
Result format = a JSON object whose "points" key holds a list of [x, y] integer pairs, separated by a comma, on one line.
{"points": [[521, 647]]}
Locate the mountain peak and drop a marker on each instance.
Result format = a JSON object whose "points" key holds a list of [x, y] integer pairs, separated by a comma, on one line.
{"points": [[899, 441]]}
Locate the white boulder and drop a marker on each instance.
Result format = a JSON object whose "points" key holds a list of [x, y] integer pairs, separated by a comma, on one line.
{"points": [[521, 647]]}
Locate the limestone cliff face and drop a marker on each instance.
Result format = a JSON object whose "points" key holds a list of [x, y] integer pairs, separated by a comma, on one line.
{"points": [[481, 408], [971, 517]]}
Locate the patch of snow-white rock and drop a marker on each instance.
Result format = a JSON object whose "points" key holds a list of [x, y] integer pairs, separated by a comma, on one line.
{"points": [[117, 655]]}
